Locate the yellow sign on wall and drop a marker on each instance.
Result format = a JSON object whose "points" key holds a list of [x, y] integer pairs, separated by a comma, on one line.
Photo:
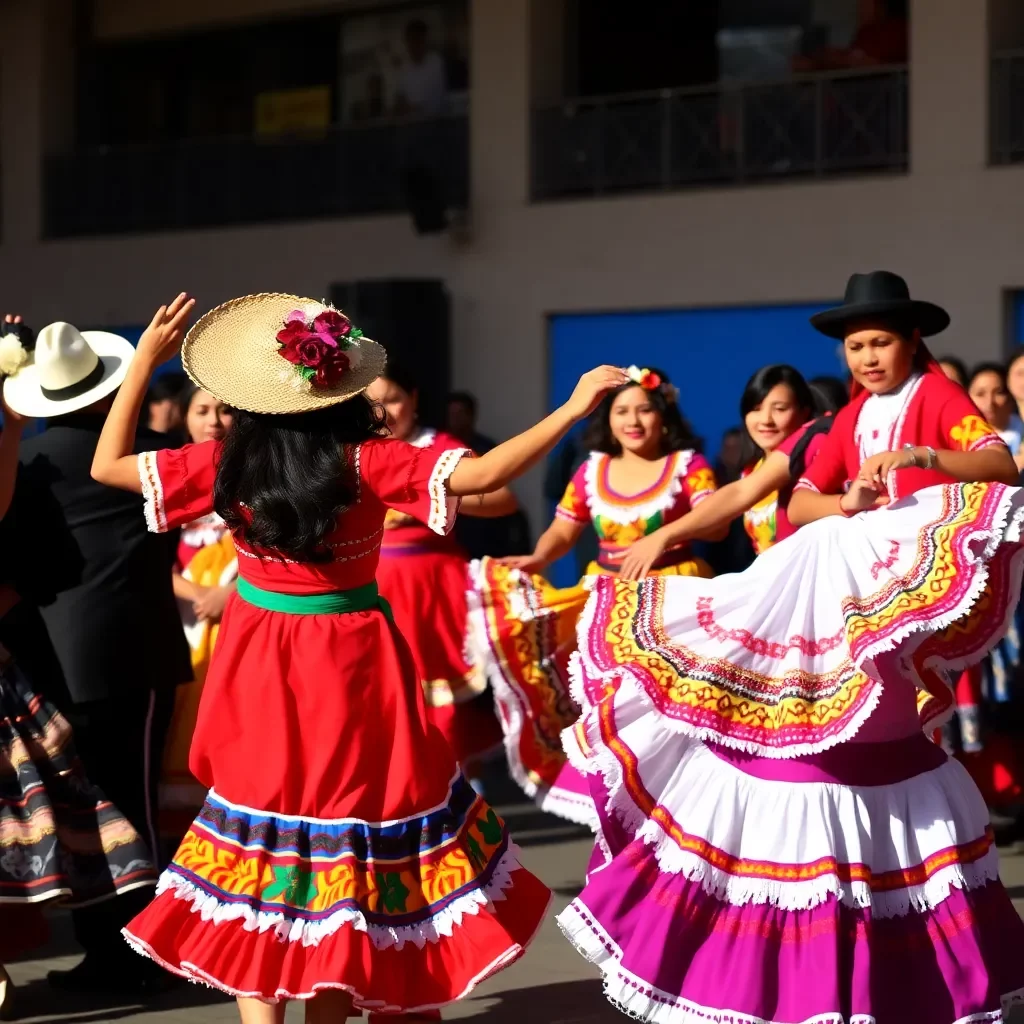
{"points": [[293, 111]]}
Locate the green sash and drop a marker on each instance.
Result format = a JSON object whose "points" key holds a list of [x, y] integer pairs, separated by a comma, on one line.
{"points": [[337, 602]]}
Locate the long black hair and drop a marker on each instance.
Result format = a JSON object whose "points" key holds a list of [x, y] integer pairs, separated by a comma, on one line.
{"points": [[997, 368], [830, 394], [757, 390], [282, 481], [678, 434]]}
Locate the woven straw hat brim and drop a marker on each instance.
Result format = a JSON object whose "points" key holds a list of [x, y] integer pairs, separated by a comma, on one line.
{"points": [[233, 353]]}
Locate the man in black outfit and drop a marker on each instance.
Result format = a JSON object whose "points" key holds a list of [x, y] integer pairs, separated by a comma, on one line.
{"points": [[103, 585]]}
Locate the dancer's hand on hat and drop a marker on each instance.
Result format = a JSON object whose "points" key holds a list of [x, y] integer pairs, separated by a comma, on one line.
{"points": [[593, 386], [161, 340]]}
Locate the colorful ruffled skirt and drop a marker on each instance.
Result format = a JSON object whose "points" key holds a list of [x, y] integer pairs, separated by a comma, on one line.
{"points": [[60, 838], [523, 632], [340, 846], [779, 842]]}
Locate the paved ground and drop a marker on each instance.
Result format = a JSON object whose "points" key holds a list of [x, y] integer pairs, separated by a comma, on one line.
{"points": [[551, 985]]}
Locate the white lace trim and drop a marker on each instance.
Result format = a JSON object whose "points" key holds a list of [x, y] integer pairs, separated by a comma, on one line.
{"points": [[312, 933], [152, 493], [207, 530], [770, 821], [443, 508], [1005, 526], [569, 806], [637, 998], [197, 976], [423, 438], [624, 513]]}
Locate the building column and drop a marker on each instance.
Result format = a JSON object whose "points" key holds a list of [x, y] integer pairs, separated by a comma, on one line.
{"points": [[949, 76], [21, 120], [36, 106], [499, 118]]}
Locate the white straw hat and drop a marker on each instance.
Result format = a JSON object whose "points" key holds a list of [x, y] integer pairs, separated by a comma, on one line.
{"points": [[68, 372], [260, 353]]}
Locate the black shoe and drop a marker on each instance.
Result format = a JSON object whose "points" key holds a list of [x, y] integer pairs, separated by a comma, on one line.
{"points": [[96, 977]]}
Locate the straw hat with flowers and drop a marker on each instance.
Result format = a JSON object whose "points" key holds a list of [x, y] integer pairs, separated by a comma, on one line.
{"points": [[276, 353]]}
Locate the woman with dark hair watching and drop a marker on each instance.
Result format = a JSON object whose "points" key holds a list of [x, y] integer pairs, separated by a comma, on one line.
{"points": [[341, 857], [644, 469], [987, 386], [778, 409], [1015, 379], [163, 409], [204, 577], [987, 695]]}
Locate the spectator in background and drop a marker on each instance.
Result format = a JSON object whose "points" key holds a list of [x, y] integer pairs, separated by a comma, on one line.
{"points": [[881, 39], [421, 80], [372, 105], [460, 422], [729, 464], [954, 369], [163, 408], [1015, 380], [988, 391], [735, 552], [203, 578], [502, 536]]}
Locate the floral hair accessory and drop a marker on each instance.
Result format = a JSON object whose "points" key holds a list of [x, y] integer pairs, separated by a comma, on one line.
{"points": [[651, 381], [321, 350], [17, 342]]}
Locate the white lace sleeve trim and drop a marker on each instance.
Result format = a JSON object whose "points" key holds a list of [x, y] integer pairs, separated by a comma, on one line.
{"points": [[443, 507], [152, 493]]}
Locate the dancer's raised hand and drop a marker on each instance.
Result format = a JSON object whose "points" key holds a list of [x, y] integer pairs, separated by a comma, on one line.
{"points": [[592, 387], [162, 339]]}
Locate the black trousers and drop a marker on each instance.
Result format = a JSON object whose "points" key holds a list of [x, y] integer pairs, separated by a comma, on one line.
{"points": [[120, 741]]}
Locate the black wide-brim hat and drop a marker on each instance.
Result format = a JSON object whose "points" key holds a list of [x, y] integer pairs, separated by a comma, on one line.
{"points": [[883, 297]]}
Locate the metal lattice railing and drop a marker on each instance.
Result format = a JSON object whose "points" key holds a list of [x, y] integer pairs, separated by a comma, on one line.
{"points": [[346, 171], [813, 125], [1006, 106]]}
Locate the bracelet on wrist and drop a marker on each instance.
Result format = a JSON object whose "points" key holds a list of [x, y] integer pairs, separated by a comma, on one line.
{"points": [[931, 456]]}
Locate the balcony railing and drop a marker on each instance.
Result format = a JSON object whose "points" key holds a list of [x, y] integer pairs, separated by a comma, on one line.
{"points": [[809, 125], [1006, 106], [347, 171]]}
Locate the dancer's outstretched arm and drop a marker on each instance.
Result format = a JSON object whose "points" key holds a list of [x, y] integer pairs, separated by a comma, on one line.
{"points": [[993, 464], [707, 520], [501, 465]]}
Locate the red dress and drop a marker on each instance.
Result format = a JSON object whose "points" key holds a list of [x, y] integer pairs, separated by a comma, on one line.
{"points": [[424, 578], [339, 845]]}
